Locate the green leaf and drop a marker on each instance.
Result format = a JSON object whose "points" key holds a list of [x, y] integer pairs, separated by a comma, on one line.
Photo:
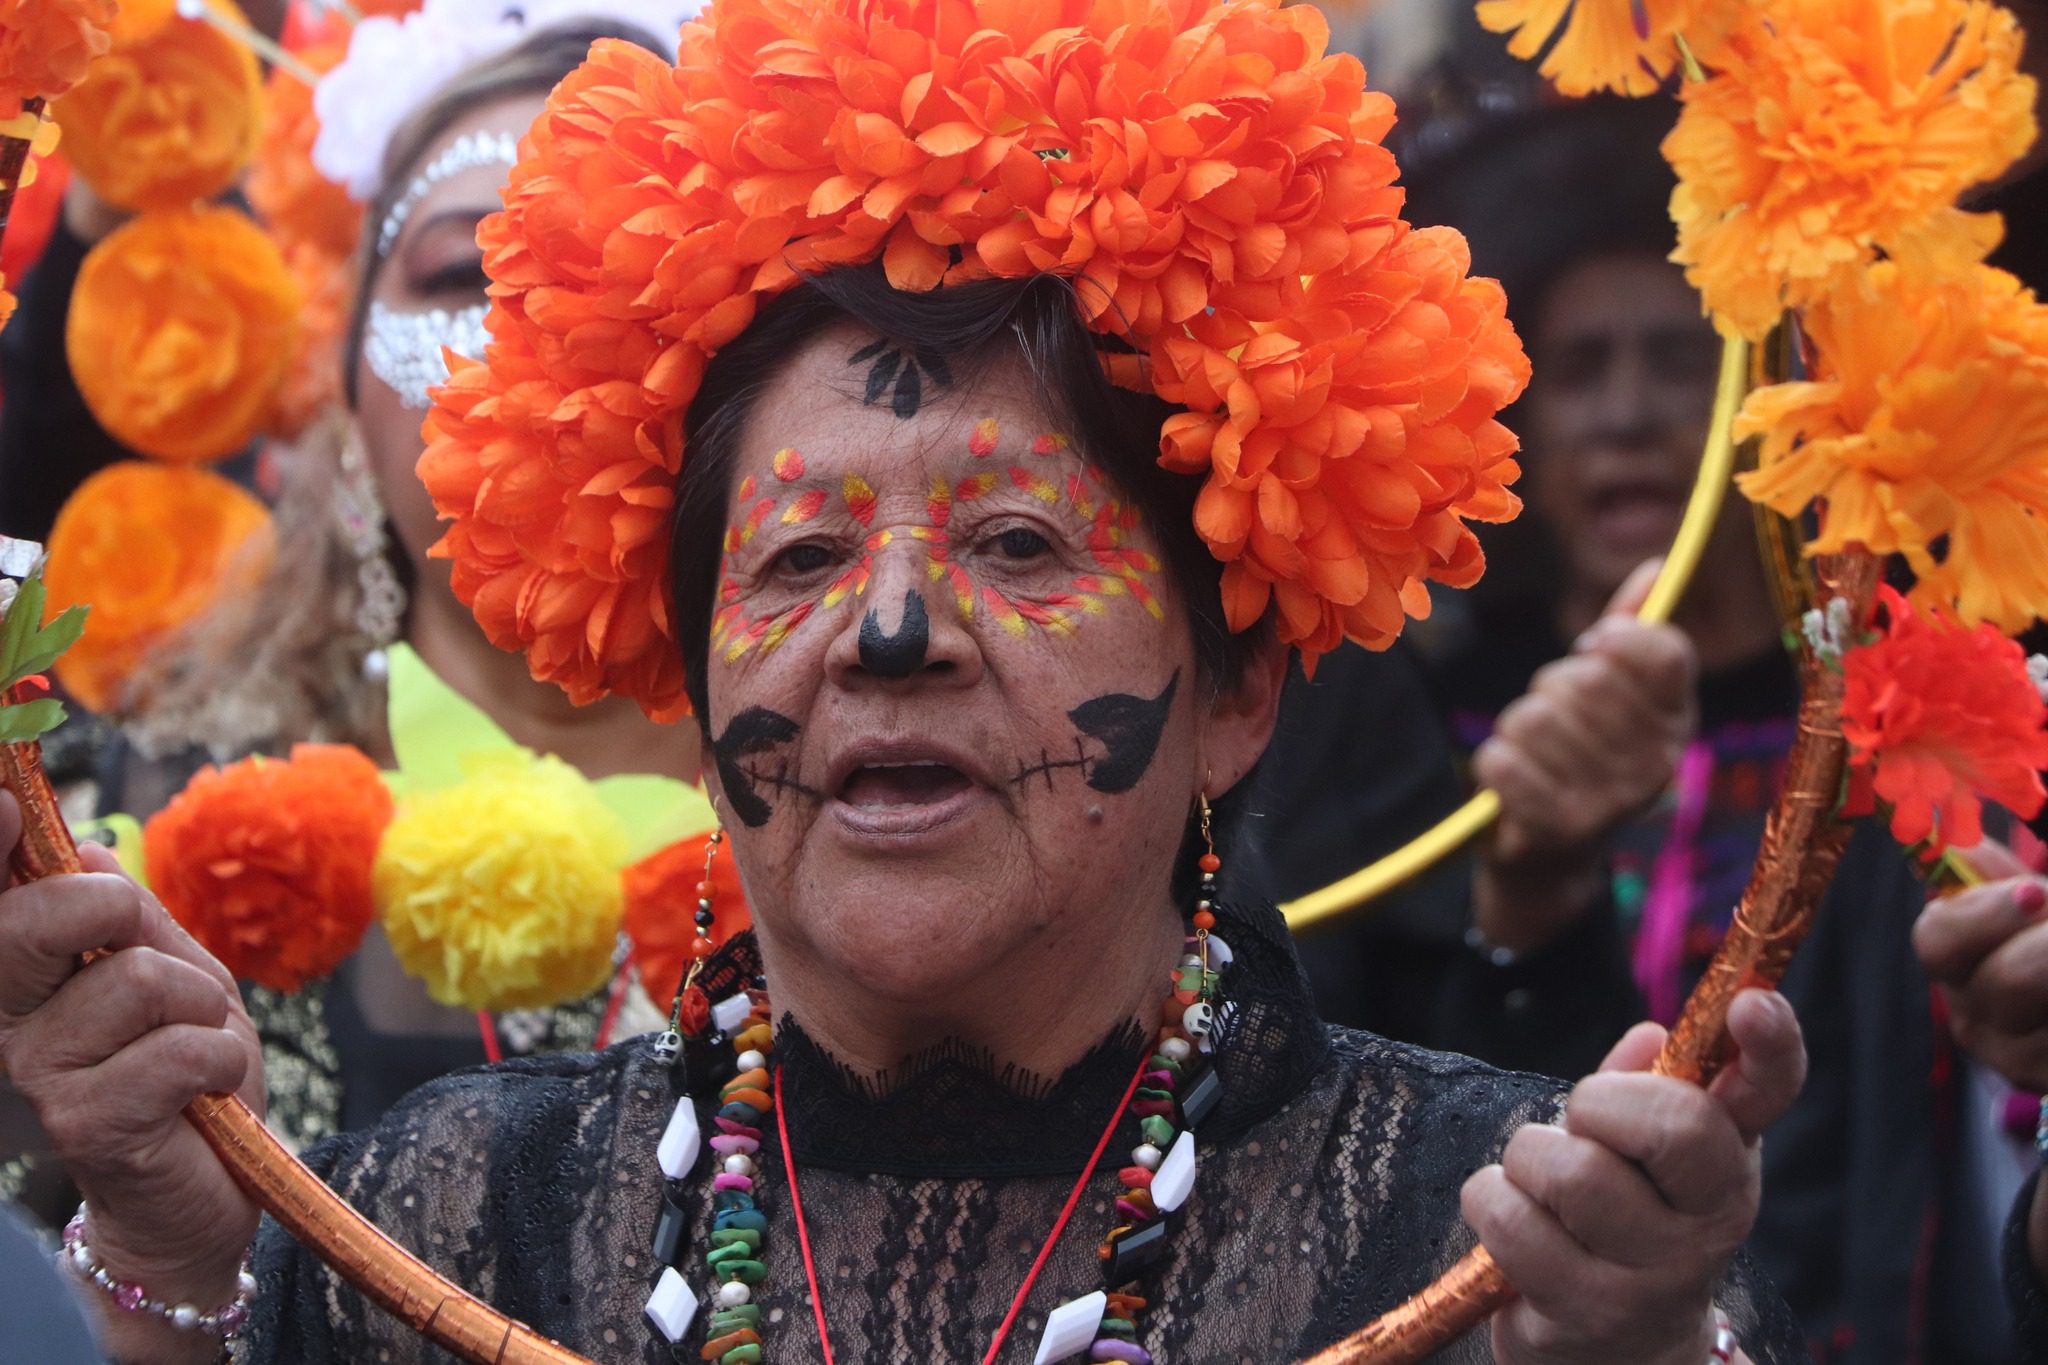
{"points": [[654, 811], [434, 727], [30, 720], [26, 650], [23, 617], [123, 834]]}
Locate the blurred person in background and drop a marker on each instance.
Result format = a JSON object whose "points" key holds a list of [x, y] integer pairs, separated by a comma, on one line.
{"points": [[1881, 1184]]}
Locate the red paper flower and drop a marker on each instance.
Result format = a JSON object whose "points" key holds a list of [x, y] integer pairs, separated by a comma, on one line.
{"points": [[662, 891], [267, 862], [1940, 719]]}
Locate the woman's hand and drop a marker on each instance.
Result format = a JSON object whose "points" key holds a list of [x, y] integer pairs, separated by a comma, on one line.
{"points": [[1591, 744], [1987, 949], [109, 1055], [1616, 1225]]}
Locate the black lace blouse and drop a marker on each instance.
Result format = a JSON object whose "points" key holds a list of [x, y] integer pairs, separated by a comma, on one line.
{"points": [[1328, 1191]]}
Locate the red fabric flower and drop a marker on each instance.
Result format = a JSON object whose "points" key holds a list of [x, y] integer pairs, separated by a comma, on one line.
{"points": [[267, 862], [1941, 719], [1209, 173], [662, 891]]}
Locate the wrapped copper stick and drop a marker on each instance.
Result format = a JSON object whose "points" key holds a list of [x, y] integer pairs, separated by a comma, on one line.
{"points": [[1803, 841], [291, 1194]]}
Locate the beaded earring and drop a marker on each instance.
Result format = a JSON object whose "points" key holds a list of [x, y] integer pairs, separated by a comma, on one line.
{"points": [[702, 945], [686, 1011]]}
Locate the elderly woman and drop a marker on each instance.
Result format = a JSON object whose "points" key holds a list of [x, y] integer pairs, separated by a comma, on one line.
{"points": [[962, 659]]}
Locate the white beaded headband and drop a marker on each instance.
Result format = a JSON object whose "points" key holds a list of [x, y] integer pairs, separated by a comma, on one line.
{"points": [[465, 153]]}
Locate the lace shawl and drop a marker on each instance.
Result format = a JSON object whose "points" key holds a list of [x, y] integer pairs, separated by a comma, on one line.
{"points": [[1328, 1192]]}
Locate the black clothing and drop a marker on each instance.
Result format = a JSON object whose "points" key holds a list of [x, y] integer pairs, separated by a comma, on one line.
{"points": [[1328, 1191]]}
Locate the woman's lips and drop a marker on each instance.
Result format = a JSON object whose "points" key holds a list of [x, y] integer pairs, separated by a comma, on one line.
{"points": [[900, 799]]}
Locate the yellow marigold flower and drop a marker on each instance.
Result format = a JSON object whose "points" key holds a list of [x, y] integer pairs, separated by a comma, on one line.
{"points": [[1927, 418], [1836, 131], [1626, 46], [503, 892]]}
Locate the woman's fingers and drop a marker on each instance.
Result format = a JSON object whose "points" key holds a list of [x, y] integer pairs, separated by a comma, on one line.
{"points": [[109, 1119], [46, 926], [1625, 1225], [109, 1004], [1955, 934], [1770, 1063], [1683, 1140]]}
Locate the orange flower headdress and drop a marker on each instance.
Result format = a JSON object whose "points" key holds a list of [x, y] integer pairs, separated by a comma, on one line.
{"points": [[1211, 176]]}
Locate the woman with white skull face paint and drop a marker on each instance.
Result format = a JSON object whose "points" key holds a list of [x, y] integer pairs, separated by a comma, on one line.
{"points": [[353, 576]]}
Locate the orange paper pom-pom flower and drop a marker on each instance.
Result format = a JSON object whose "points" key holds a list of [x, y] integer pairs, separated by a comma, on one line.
{"points": [[1925, 432], [149, 547], [1838, 130], [295, 201], [182, 326], [312, 382], [1210, 173], [662, 891], [167, 121], [1941, 719], [267, 862], [1625, 46], [46, 46]]}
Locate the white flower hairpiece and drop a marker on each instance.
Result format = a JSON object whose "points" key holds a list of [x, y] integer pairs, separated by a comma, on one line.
{"points": [[394, 65]]}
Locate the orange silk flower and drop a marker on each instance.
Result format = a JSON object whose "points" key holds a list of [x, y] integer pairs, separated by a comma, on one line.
{"points": [[1924, 432], [267, 862], [1940, 719], [1835, 131], [182, 326], [167, 121], [1625, 46], [294, 200], [46, 46], [149, 547], [312, 382], [662, 891], [1212, 172]]}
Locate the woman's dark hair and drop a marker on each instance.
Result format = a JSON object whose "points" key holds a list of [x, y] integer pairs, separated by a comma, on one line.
{"points": [[538, 63], [1036, 321]]}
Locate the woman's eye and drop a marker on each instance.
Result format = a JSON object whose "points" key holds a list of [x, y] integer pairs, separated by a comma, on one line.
{"points": [[1021, 542], [457, 277], [806, 558]]}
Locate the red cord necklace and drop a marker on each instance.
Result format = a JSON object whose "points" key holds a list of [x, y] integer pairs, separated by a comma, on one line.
{"points": [[803, 1233]]}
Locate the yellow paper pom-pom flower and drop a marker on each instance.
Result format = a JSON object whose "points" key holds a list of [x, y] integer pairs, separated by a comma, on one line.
{"points": [[502, 891], [167, 120]]}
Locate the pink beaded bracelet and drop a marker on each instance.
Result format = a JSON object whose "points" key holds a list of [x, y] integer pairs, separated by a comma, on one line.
{"points": [[130, 1297]]}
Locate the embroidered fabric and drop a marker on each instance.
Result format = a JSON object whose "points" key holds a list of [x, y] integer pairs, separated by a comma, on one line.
{"points": [[1328, 1192]]}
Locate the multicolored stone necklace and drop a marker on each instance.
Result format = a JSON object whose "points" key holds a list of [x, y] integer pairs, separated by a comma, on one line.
{"points": [[1171, 1091]]}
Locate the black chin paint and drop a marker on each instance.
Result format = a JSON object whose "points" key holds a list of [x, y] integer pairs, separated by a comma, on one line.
{"points": [[1128, 728], [902, 654], [752, 733]]}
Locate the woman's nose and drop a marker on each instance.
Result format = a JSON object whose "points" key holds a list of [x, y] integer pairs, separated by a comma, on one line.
{"points": [[906, 628]]}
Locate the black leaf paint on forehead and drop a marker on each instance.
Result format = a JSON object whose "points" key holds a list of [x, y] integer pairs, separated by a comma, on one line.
{"points": [[749, 735], [900, 376]]}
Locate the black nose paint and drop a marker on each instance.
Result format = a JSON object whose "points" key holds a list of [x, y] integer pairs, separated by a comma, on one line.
{"points": [[901, 654]]}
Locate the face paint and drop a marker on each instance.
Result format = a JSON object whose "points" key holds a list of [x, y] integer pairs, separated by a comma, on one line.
{"points": [[466, 152], [901, 654], [900, 376], [1128, 729], [404, 349], [751, 734]]}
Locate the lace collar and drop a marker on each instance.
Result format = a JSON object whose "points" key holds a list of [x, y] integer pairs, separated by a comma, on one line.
{"points": [[951, 1113]]}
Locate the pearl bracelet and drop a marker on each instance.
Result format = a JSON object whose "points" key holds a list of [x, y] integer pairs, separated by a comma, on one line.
{"points": [[130, 1297]]}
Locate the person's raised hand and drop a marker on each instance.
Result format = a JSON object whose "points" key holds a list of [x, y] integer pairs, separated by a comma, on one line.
{"points": [[109, 1055], [1592, 743], [1616, 1224]]}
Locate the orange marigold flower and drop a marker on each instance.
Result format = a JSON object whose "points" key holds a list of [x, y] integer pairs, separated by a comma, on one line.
{"points": [[46, 45], [267, 862], [662, 891], [312, 383], [1925, 433], [182, 326], [137, 21], [1210, 174], [169, 120], [1626, 46], [1941, 719], [294, 200], [1836, 131], [8, 303], [150, 547]]}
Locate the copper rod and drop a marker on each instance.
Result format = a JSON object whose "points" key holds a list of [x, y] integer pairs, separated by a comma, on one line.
{"points": [[353, 1246], [1803, 842]]}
